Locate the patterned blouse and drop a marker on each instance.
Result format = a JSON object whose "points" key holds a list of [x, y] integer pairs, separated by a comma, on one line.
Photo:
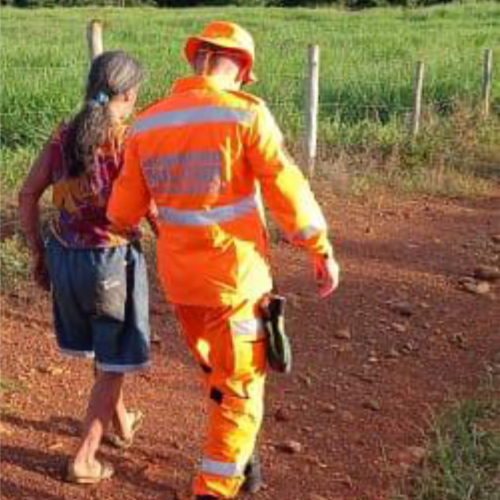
{"points": [[81, 201]]}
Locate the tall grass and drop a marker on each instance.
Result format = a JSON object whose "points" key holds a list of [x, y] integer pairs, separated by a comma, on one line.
{"points": [[367, 61], [463, 460]]}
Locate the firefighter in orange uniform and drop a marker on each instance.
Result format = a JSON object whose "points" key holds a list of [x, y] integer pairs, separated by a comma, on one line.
{"points": [[208, 154]]}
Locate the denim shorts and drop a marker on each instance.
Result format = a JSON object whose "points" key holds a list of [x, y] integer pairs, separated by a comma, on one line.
{"points": [[101, 306]]}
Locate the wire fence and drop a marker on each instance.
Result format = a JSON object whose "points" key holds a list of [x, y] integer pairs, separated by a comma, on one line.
{"points": [[36, 96], [377, 89]]}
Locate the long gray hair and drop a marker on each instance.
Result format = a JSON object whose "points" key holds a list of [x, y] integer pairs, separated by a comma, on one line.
{"points": [[111, 74]]}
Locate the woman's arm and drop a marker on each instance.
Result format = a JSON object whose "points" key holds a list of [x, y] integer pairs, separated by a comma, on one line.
{"points": [[37, 181]]}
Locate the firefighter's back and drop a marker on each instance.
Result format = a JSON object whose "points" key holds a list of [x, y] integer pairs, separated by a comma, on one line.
{"points": [[212, 247]]}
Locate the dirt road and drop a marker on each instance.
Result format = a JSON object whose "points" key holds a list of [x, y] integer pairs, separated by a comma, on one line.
{"points": [[399, 339]]}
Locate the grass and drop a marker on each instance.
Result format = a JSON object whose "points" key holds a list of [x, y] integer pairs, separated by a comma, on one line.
{"points": [[463, 461], [8, 386], [14, 262], [457, 155], [367, 63]]}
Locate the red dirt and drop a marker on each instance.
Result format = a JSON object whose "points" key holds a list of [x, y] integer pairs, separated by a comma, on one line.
{"points": [[356, 408]]}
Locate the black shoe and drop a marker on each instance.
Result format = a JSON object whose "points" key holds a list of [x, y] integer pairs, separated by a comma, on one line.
{"points": [[253, 475], [205, 497]]}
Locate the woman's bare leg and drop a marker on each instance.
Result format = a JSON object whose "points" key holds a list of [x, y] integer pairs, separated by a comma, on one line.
{"points": [[121, 419], [104, 402]]}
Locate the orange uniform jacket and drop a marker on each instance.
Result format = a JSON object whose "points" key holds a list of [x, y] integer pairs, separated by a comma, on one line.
{"points": [[207, 156]]}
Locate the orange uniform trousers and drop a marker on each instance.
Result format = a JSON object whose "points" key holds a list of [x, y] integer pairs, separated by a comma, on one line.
{"points": [[229, 344]]}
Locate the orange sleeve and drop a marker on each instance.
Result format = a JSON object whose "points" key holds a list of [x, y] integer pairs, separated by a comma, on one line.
{"points": [[286, 192], [130, 199]]}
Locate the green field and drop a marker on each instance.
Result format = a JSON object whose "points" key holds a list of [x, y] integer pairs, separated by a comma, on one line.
{"points": [[367, 63]]}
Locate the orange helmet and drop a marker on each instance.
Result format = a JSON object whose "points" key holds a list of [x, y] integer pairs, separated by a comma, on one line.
{"points": [[226, 35]]}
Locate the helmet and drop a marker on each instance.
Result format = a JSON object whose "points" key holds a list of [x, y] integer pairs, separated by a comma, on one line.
{"points": [[226, 35]]}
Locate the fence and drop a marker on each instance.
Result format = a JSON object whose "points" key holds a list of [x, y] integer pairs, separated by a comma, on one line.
{"points": [[301, 111], [311, 103], [308, 105]]}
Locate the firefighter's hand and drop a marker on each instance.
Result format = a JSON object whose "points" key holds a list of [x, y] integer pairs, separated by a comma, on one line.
{"points": [[327, 274]]}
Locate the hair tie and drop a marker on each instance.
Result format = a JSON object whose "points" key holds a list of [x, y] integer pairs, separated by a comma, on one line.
{"points": [[100, 99]]}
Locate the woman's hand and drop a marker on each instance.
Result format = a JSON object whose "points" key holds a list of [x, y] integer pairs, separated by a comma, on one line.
{"points": [[39, 271], [152, 218], [153, 224]]}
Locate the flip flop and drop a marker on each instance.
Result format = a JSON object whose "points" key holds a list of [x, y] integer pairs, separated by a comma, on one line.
{"points": [[122, 443], [106, 471]]}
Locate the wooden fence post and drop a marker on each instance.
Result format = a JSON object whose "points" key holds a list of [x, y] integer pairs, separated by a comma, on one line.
{"points": [[312, 100], [487, 81], [94, 38], [418, 85]]}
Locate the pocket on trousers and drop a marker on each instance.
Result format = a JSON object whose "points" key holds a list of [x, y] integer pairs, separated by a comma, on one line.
{"points": [[111, 295]]}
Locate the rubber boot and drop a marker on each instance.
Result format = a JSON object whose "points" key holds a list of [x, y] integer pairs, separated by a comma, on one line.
{"points": [[253, 475]]}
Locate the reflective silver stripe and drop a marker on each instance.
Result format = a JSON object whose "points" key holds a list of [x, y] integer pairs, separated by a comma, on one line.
{"points": [[208, 217], [247, 327], [192, 116], [190, 173], [223, 469], [307, 232]]}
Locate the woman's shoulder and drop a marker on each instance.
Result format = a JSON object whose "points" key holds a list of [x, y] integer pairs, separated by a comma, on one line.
{"points": [[57, 141]]}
